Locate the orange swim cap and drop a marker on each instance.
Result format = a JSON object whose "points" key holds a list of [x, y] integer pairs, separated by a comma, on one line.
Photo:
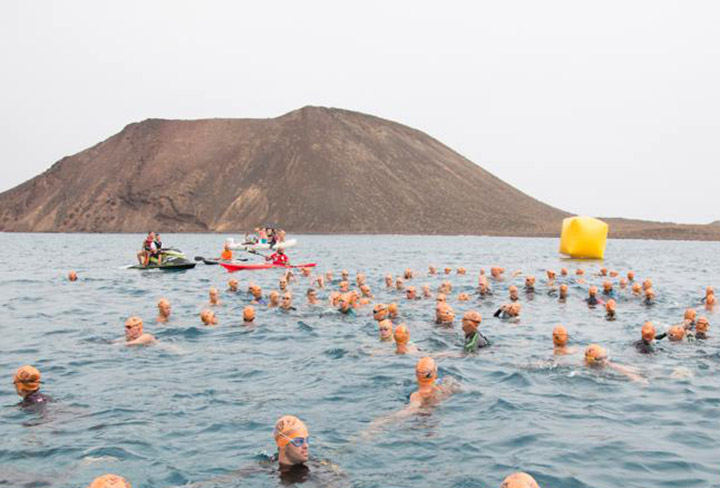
{"points": [[426, 371], [648, 331], [563, 287], [110, 481], [690, 314], [519, 480], [595, 355], [393, 309], [676, 333], [441, 297], [402, 334], [463, 297], [610, 305], [72, 276], [27, 380], [702, 325], [592, 291], [607, 286], [288, 427], [248, 314], [560, 336], [385, 327]]}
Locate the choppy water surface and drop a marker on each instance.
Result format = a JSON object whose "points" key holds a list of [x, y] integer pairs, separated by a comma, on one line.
{"points": [[202, 402]]}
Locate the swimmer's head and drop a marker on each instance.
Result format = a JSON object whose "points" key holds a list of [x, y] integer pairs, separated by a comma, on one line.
{"points": [[385, 328], [344, 286], [519, 480], [360, 279], [610, 305], [233, 284], [133, 328], [408, 274], [607, 286], [448, 270], [649, 294], [213, 295], [426, 371], [647, 284], [514, 309], [399, 284], [595, 355], [563, 290], [513, 291], [676, 333], [401, 334], [636, 288], [286, 300], [411, 293], [550, 274], [292, 439], [274, 298], [463, 297], [648, 331], [344, 274], [248, 314], [109, 481], [426, 291], [445, 314], [579, 272], [461, 271], [388, 280], [563, 272], [471, 321], [26, 380], [441, 298], [163, 306], [432, 270], [690, 314], [393, 309], [380, 311], [529, 281], [335, 298], [613, 273], [623, 283], [702, 326], [631, 275], [592, 291], [709, 291], [72, 275], [208, 317], [560, 336], [603, 271], [282, 284], [710, 301], [256, 291], [344, 302], [365, 289]]}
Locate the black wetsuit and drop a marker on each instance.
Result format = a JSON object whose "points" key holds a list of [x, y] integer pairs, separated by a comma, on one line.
{"points": [[475, 341], [610, 316], [592, 300], [35, 399], [500, 313], [645, 347]]}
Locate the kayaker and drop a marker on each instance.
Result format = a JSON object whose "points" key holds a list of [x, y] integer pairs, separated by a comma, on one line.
{"points": [[278, 258], [227, 253]]}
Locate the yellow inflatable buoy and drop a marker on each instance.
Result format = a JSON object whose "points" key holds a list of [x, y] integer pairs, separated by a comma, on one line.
{"points": [[583, 237]]}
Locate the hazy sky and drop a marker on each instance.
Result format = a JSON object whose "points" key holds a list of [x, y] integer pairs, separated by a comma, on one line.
{"points": [[600, 108]]}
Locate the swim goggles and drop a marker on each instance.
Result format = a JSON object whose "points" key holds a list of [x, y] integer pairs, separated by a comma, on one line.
{"points": [[296, 441]]}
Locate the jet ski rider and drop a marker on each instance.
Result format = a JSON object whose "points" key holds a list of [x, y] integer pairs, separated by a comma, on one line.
{"points": [[150, 248]]}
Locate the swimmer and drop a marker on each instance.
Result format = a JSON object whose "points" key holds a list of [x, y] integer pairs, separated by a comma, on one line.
{"points": [[273, 299], [596, 357], [709, 291], [208, 317], [344, 286], [647, 284], [334, 299], [444, 315], [411, 293], [636, 289], [283, 284], [550, 275], [257, 297], [232, 285], [579, 273], [345, 304], [608, 289], [72, 276], [592, 298], [441, 298], [432, 271], [360, 279], [328, 276], [305, 272], [448, 271], [689, 318], [320, 282], [393, 311], [385, 329], [710, 302], [445, 287], [463, 297], [388, 281], [610, 310], [564, 272], [603, 272], [649, 297], [429, 393], [484, 289], [402, 341], [214, 297], [293, 440], [461, 271], [508, 311], [408, 274], [286, 302], [530, 284], [426, 293], [399, 284], [474, 340], [27, 385], [109, 481], [560, 341], [344, 275], [380, 312], [248, 314], [519, 480], [701, 328], [513, 291], [563, 293], [134, 335], [497, 273], [365, 290], [311, 295], [631, 276], [163, 306], [646, 344], [623, 283], [676, 333]]}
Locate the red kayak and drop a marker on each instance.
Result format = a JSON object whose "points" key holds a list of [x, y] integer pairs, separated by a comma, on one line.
{"points": [[232, 267]]}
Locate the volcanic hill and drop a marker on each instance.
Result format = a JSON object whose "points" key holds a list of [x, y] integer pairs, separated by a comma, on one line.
{"points": [[313, 170]]}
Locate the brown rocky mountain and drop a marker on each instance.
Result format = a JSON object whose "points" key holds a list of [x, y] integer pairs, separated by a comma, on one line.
{"points": [[314, 170]]}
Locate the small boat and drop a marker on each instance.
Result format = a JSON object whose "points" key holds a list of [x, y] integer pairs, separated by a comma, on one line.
{"points": [[172, 260], [232, 267], [242, 246]]}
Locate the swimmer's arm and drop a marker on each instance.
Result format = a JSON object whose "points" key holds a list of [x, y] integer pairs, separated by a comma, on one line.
{"points": [[628, 373], [141, 341], [661, 336]]}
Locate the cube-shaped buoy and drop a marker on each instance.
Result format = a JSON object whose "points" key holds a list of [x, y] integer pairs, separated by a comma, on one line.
{"points": [[583, 237]]}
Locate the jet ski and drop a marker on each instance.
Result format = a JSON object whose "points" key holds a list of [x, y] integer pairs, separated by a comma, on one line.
{"points": [[172, 260]]}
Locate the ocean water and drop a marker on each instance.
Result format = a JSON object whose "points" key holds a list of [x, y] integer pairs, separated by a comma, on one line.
{"points": [[202, 402]]}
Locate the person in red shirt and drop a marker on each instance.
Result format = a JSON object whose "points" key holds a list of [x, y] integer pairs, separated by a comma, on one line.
{"points": [[278, 258]]}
